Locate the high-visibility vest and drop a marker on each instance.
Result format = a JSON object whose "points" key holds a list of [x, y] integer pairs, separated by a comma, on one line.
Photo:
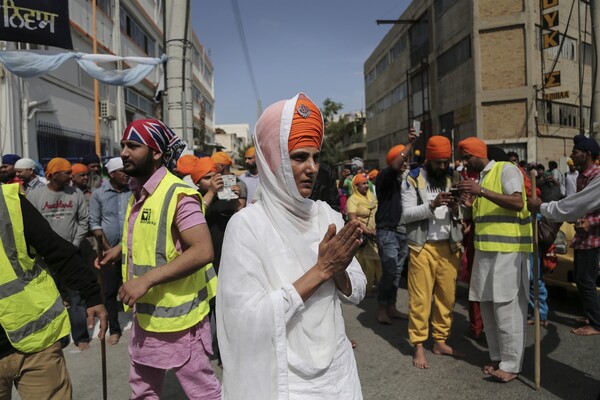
{"points": [[499, 229], [31, 309], [172, 306]]}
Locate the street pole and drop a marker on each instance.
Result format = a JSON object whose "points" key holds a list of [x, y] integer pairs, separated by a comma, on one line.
{"points": [[595, 119], [179, 66], [96, 90]]}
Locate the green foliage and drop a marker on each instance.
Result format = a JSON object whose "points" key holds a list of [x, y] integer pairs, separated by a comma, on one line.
{"points": [[330, 151]]}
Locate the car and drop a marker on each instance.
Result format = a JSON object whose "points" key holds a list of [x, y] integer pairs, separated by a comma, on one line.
{"points": [[563, 275]]}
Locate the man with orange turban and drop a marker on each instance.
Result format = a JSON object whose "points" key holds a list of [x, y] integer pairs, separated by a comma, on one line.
{"points": [[65, 209], [250, 177], [80, 177], [503, 243], [390, 232], [224, 162], [434, 236]]}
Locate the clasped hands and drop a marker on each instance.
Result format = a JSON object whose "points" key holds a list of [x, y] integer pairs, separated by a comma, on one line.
{"points": [[336, 250]]}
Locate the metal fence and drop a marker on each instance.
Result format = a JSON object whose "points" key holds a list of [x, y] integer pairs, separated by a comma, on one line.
{"points": [[57, 141]]}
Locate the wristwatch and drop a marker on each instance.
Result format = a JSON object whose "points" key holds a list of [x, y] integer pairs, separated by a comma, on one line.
{"points": [[482, 191]]}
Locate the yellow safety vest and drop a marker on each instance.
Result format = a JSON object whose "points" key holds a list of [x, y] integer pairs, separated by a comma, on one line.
{"points": [[31, 309], [499, 229], [172, 306]]}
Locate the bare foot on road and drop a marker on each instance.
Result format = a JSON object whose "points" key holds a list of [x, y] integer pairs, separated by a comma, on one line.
{"points": [[83, 345], [503, 376], [395, 314], [587, 330], [114, 338], [489, 368], [382, 317], [442, 349], [419, 359]]}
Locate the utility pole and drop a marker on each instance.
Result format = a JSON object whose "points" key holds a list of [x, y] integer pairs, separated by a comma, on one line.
{"points": [[595, 118], [179, 70]]}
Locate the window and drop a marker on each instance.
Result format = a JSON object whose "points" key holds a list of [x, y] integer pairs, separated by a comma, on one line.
{"points": [[372, 146], [586, 53], [440, 6], [138, 101], [105, 6], [132, 29], [399, 93], [552, 113], [454, 56], [419, 40], [566, 45], [398, 48]]}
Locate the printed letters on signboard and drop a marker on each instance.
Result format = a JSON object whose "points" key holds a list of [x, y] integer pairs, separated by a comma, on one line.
{"points": [[551, 19], [549, 4]]}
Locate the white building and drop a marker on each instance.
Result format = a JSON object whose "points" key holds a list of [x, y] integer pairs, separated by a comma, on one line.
{"points": [[53, 115], [232, 138]]}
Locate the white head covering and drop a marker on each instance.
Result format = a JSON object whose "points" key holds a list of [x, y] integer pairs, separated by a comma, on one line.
{"points": [[301, 223], [114, 164], [25, 163]]}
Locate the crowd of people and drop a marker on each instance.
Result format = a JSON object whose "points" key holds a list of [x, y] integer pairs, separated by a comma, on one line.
{"points": [[253, 269]]}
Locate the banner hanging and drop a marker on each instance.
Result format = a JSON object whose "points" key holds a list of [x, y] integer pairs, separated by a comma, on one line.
{"points": [[44, 22]]}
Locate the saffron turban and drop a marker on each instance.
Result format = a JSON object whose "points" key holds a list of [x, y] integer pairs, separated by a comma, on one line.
{"points": [[438, 148], [307, 125], [57, 165], [25, 163], [474, 146], [201, 167], [79, 168], [250, 152], [158, 136], [90, 159], [373, 174], [10, 159], [394, 153], [360, 178], [586, 144], [185, 164], [220, 157], [570, 162]]}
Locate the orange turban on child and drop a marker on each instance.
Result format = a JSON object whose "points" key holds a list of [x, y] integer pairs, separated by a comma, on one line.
{"points": [[438, 148], [56, 165], [307, 125], [250, 152], [474, 146], [79, 168], [394, 153], [360, 178], [201, 167], [220, 157], [186, 163]]}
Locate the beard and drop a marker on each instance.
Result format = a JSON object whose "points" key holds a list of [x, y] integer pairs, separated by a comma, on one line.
{"points": [[6, 177], [436, 176], [139, 169]]}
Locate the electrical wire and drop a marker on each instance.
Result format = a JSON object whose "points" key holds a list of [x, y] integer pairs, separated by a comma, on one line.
{"points": [[240, 27]]}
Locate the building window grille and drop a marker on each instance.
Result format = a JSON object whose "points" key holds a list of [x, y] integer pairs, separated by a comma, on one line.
{"points": [[441, 6], [135, 32], [567, 115], [419, 40], [454, 56]]}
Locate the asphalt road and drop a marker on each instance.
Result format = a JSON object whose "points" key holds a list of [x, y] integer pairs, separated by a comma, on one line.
{"points": [[570, 364]]}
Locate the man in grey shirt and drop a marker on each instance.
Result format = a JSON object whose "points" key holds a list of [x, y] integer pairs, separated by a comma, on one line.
{"points": [[25, 170], [108, 206], [65, 209]]}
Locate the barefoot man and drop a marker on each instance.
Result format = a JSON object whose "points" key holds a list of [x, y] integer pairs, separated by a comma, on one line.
{"points": [[584, 207], [503, 242], [434, 235]]}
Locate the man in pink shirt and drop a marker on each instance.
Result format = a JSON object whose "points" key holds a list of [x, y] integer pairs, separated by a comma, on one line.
{"points": [[168, 280]]}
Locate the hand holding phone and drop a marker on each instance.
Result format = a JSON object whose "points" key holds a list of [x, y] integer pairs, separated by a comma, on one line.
{"points": [[417, 127]]}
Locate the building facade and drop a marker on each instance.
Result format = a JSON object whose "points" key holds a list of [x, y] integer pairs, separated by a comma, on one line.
{"points": [[515, 73], [53, 115], [232, 138]]}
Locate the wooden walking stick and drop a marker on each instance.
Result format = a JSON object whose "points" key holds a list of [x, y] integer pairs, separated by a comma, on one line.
{"points": [[102, 341], [536, 288]]}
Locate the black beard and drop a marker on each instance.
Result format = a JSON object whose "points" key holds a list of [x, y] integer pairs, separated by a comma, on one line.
{"points": [[144, 168], [436, 177], [6, 177]]}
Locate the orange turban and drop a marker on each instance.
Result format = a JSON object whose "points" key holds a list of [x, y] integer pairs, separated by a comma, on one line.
{"points": [[201, 167], [474, 146], [56, 165], [360, 178], [394, 153], [186, 163], [250, 152], [373, 174], [79, 168], [307, 125], [438, 147], [220, 157]]}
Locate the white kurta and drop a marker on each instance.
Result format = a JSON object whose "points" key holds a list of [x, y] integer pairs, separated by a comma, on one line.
{"points": [[258, 308]]}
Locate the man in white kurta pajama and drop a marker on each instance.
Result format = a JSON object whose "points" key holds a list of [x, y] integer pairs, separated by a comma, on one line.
{"points": [[500, 279]]}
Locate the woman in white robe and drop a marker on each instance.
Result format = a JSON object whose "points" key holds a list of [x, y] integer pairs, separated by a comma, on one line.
{"points": [[284, 273]]}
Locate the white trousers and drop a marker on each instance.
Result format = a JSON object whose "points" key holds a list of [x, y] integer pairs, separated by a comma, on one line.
{"points": [[504, 325]]}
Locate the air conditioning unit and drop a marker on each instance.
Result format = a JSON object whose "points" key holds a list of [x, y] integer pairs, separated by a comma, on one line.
{"points": [[108, 111]]}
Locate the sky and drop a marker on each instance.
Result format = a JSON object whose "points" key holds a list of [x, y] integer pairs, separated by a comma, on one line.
{"points": [[313, 46]]}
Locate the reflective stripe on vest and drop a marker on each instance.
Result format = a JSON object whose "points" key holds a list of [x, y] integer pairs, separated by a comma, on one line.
{"points": [[176, 305], [31, 309], [498, 229]]}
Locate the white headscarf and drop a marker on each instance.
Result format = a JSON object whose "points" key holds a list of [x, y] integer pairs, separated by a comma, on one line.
{"points": [[301, 223]]}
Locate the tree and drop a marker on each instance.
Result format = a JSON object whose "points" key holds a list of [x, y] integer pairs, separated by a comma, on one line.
{"points": [[330, 150]]}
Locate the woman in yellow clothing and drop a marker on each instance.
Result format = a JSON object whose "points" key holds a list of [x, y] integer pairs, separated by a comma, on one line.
{"points": [[362, 206]]}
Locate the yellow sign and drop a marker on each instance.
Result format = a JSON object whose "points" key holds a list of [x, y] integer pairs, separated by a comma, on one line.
{"points": [[551, 39], [552, 79], [550, 19], [546, 4], [557, 95]]}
